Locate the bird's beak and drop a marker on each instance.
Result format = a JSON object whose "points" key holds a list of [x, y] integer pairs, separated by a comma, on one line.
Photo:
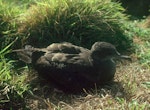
{"points": [[119, 56], [125, 57]]}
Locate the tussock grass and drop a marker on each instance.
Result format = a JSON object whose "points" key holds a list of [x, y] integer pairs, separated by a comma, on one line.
{"points": [[9, 11], [80, 22], [12, 85]]}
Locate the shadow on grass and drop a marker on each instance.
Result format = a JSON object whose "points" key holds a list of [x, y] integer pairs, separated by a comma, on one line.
{"points": [[45, 95]]}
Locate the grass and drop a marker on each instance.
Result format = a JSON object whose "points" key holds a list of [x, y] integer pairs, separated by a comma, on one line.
{"points": [[142, 41], [12, 85], [8, 13], [80, 22]]}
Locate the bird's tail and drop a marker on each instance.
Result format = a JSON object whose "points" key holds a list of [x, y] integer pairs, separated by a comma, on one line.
{"points": [[25, 54]]}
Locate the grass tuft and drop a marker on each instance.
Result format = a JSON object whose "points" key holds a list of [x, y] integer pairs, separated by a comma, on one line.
{"points": [[9, 11], [80, 22]]}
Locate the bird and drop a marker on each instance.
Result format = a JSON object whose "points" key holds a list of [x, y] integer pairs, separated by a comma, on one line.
{"points": [[71, 67]]}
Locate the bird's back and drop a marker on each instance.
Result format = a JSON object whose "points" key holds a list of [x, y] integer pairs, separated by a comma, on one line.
{"points": [[65, 47]]}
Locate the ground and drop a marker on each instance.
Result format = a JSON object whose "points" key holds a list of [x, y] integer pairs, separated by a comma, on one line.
{"points": [[127, 92]]}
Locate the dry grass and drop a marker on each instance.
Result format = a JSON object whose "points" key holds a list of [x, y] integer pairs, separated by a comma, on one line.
{"points": [[146, 24], [127, 92]]}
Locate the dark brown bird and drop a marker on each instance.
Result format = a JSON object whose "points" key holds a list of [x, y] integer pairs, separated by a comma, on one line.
{"points": [[71, 67]]}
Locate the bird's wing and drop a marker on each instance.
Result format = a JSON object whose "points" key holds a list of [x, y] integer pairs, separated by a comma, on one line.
{"points": [[67, 66], [64, 47], [63, 58]]}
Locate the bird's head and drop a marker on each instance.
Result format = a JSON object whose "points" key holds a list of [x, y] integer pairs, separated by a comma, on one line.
{"points": [[105, 51]]}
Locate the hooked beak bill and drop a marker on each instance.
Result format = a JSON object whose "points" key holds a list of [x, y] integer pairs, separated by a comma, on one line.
{"points": [[123, 57]]}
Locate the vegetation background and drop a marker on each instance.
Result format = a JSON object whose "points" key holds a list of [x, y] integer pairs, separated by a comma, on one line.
{"points": [[42, 22]]}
